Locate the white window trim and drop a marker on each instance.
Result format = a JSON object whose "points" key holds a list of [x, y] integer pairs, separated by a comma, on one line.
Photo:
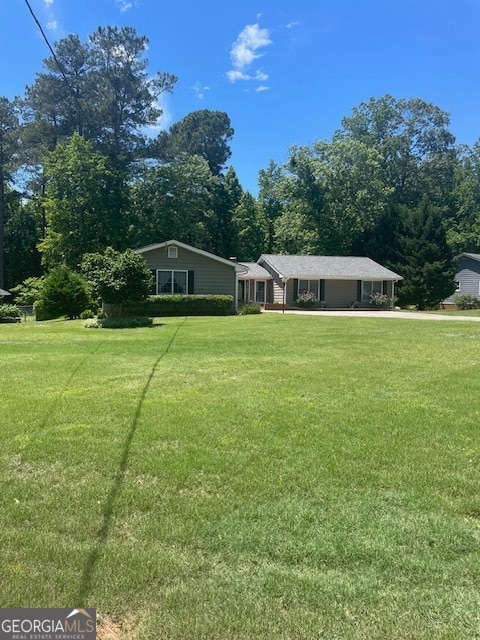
{"points": [[366, 295], [315, 290], [172, 251], [172, 271], [459, 286]]}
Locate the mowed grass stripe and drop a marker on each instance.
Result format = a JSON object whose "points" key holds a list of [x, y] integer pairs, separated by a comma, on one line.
{"points": [[290, 477]]}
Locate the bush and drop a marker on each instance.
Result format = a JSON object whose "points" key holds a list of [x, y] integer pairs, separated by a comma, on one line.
{"points": [[133, 322], [181, 305], [249, 309], [28, 292], [64, 293], [307, 299], [9, 311], [466, 301], [117, 278]]}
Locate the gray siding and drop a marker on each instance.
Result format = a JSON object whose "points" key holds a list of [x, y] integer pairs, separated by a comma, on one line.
{"points": [[211, 276], [468, 275], [340, 293]]}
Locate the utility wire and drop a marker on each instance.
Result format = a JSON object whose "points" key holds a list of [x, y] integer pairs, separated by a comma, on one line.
{"points": [[57, 62]]}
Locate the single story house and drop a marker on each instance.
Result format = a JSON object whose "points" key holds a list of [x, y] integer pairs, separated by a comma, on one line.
{"points": [[336, 281], [180, 268], [467, 277]]}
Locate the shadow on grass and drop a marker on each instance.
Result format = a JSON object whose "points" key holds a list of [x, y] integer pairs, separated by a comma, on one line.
{"points": [[102, 534]]}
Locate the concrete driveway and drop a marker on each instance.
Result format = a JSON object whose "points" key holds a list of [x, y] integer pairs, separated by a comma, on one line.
{"points": [[403, 315]]}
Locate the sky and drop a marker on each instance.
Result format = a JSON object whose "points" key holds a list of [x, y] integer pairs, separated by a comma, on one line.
{"points": [[285, 72]]}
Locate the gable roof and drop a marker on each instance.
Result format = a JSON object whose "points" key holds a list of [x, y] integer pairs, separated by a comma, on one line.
{"points": [[255, 271], [474, 256], [163, 245], [4, 293], [327, 267]]}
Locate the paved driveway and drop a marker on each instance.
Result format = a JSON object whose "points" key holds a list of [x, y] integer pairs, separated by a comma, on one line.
{"points": [[404, 315]]}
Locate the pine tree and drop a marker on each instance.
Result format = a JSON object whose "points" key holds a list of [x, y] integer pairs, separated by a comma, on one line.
{"points": [[423, 257]]}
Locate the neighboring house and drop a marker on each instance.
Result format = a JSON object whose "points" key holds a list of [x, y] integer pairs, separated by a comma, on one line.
{"points": [[180, 268], [336, 281], [467, 277]]}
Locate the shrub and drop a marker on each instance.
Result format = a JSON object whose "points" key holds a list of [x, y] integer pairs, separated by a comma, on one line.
{"points": [[9, 311], [64, 293], [181, 305], [88, 313], [28, 292], [380, 300], [249, 309], [307, 299], [466, 301], [132, 322], [117, 278]]}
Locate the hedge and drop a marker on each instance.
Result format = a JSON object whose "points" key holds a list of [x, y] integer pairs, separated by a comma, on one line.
{"points": [[178, 305]]}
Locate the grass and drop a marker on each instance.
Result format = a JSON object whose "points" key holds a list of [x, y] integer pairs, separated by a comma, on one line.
{"points": [[266, 477]]}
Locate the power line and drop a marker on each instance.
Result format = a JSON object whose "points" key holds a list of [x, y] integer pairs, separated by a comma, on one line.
{"points": [[57, 62]]}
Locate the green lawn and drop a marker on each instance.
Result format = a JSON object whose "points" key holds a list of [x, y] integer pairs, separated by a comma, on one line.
{"points": [[280, 477]]}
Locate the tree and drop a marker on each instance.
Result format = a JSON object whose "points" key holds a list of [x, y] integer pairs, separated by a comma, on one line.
{"points": [[109, 96], [251, 228], [417, 150], [463, 230], [63, 293], [174, 201], [201, 133], [85, 204], [271, 198], [333, 189], [422, 257], [22, 258], [117, 278], [8, 150]]}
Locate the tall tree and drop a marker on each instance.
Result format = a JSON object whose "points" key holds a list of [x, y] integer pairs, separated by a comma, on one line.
{"points": [[422, 257], [22, 259], [8, 151], [417, 150], [85, 204], [104, 92], [250, 226], [203, 133], [174, 201]]}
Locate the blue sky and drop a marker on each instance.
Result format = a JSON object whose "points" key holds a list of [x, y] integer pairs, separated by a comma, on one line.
{"points": [[285, 72]]}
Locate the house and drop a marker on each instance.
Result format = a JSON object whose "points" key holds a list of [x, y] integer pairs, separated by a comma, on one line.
{"points": [[183, 269], [467, 277], [336, 281]]}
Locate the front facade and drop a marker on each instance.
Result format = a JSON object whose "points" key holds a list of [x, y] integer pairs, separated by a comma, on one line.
{"points": [[467, 277], [179, 268], [336, 281]]}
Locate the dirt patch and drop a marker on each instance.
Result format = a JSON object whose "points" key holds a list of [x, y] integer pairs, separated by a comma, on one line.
{"points": [[114, 628]]}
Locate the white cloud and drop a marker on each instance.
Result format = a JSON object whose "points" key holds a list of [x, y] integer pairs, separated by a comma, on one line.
{"points": [[200, 90], [261, 88], [52, 25], [124, 5], [293, 24], [245, 50], [48, 3]]}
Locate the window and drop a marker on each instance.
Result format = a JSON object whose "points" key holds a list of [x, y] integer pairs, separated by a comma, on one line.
{"points": [[457, 286], [170, 282], [370, 287], [172, 251], [309, 285]]}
